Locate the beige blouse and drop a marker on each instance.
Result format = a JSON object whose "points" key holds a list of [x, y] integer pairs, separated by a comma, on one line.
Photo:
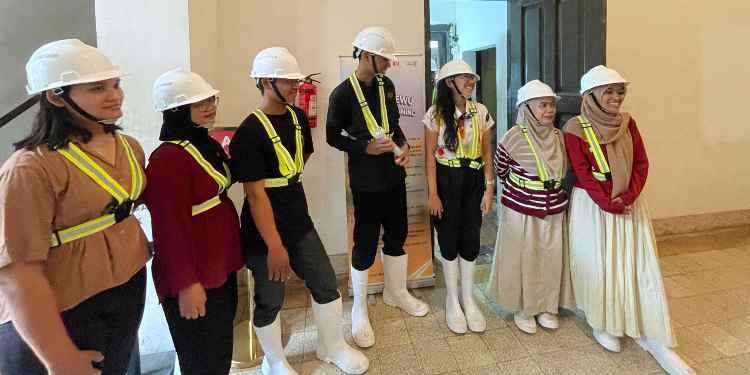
{"points": [[41, 191]]}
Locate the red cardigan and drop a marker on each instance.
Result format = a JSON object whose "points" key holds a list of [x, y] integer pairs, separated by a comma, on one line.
{"points": [[187, 249], [583, 162]]}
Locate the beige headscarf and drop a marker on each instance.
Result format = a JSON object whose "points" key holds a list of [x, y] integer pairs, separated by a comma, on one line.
{"points": [[612, 131], [547, 140]]}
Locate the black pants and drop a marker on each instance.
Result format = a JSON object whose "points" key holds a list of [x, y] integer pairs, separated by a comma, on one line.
{"points": [[107, 322], [371, 211], [310, 262], [460, 191], [204, 345]]}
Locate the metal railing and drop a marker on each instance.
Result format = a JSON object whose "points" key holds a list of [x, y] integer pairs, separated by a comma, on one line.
{"points": [[21, 108]]}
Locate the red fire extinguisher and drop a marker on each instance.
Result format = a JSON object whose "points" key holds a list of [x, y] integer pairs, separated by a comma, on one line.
{"points": [[307, 99]]}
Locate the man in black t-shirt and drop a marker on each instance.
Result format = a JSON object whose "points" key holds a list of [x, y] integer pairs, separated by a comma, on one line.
{"points": [[363, 122], [269, 151]]}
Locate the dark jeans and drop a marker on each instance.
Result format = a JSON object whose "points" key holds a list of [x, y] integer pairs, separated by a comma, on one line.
{"points": [[460, 191], [107, 322], [204, 345], [310, 262], [371, 211]]}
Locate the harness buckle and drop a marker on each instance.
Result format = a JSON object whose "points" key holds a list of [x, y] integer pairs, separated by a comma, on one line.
{"points": [[549, 184], [122, 210], [608, 176]]}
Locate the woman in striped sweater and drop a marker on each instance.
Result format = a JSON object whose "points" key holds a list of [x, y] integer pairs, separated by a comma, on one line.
{"points": [[530, 161]]}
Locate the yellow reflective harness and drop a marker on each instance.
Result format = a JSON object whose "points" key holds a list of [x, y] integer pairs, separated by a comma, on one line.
{"points": [[462, 158], [376, 131], [546, 183], [121, 207], [604, 173], [290, 168], [223, 180]]}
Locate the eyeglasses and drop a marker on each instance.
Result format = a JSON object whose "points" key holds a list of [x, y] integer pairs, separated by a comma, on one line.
{"points": [[207, 103]]}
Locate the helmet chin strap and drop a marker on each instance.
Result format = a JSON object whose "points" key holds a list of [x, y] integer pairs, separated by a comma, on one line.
{"points": [[467, 97], [278, 93], [64, 94]]}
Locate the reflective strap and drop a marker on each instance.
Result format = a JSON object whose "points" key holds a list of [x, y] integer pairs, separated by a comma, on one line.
{"points": [[372, 124], [137, 174], [529, 184], [540, 167], [207, 205], [221, 180], [89, 167], [84, 163], [456, 163], [82, 230], [288, 166], [475, 149], [601, 161], [279, 182]]}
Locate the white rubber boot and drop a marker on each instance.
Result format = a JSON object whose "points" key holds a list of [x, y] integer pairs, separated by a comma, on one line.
{"points": [[274, 360], [331, 345], [362, 332], [395, 292], [454, 316], [608, 341], [667, 358], [474, 318]]}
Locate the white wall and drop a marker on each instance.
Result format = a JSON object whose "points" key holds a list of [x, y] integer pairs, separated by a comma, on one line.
{"points": [[690, 77], [26, 25], [316, 32]]}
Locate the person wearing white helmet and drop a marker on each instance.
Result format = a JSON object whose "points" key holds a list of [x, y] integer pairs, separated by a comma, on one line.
{"points": [[460, 185], [72, 256], [614, 265], [363, 121], [527, 275], [269, 151], [197, 249]]}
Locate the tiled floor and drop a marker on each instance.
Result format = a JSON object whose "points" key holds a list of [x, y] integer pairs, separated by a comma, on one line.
{"points": [[709, 295]]}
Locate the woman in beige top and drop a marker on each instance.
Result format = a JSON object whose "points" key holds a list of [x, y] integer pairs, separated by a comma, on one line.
{"points": [[71, 295]]}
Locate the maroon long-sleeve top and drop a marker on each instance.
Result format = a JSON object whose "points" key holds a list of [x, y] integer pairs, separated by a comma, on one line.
{"points": [[187, 249], [583, 162]]}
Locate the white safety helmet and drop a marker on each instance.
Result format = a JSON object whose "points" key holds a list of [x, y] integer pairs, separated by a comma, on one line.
{"points": [[67, 62], [179, 87], [377, 40], [534, 89], [600, 75], [276, 62], [455, 67]]}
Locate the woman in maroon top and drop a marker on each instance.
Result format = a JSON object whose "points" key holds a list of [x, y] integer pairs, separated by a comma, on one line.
{"points": [[195, 226], [614, 267]]}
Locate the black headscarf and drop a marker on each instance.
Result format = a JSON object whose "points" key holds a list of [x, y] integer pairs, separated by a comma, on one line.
{"points": [[178, 126]]}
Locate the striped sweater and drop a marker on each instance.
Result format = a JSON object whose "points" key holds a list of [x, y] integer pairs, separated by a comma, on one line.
{"points": [[523, 200]]}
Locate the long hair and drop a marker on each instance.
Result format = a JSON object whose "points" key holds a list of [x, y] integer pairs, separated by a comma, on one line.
{"points": [[53, 126], [444, 111]]}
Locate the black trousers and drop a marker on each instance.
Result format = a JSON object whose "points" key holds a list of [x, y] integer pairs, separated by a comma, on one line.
{"points": [[460, 191], [371, 211], [204, 345], [107, 322], [310, 262]]}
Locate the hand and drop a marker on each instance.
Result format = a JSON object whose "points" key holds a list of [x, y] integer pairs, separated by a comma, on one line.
{"points": [[80, 362], [380, 146], [278, 264], [487, 200], [403, 159], [192, 301], [619, 201], [435, 206]]}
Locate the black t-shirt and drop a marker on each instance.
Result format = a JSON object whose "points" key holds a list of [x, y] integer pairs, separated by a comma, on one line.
{"points": [[254, 159], [367, 173]]}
